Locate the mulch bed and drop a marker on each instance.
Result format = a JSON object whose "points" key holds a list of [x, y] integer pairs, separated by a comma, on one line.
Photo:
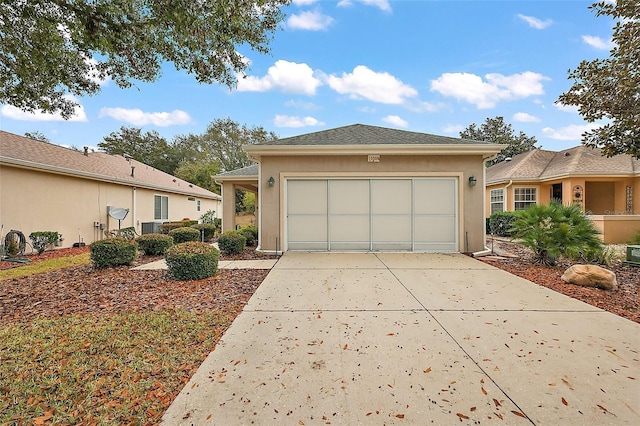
{"points": [[84, 289], [625, 301]]}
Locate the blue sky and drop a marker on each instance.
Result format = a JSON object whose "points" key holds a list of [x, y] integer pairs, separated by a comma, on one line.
{"points": [[425, 66]]}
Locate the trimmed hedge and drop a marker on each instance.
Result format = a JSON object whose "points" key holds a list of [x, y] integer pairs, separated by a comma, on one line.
{"points": [[168, 226], [184, 234], [500, 223], [41, 240], [208, 228], [250, 232], [232, 242], [192, 261], [154, 244], [113, 252]]}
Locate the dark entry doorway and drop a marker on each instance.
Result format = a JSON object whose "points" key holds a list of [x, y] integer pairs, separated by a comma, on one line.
{"points": [[556, 192]]}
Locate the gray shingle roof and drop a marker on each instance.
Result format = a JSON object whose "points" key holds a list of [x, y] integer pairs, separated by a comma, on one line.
{"points": [[361, 134], [580, 160], [47, 157], [249, 171]]}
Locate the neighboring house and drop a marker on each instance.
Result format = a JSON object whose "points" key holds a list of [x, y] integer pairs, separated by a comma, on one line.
{"points": [[607, 188], [365, 188], [46, 187]]}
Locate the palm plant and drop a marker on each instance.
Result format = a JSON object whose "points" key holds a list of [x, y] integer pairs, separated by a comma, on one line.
{"points": [[555, 230]]}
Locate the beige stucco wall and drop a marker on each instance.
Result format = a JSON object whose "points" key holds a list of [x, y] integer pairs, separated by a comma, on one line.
{"points": [[271, 199], [37, 201], [616, 229]]}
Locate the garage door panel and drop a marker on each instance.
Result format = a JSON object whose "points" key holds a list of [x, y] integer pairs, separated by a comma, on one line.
{"points": [[349, 197], [391, 228], [435, 228], [391, 196], [435, 196], [306, 197], [349, 232]]}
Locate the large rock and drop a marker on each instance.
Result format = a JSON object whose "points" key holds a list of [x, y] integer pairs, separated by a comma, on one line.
{"points": [[591, 276]]}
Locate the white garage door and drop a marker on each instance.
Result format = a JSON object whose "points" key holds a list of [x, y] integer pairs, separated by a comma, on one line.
{"points": [[418, 214]]}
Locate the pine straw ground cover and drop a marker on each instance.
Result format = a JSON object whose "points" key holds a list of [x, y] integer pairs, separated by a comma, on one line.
{"points": [[115, 346], [111, 346]]}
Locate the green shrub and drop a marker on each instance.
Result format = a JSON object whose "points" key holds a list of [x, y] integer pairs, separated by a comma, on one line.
{"points": [[154, 244], [208, 217], [250, 232], [192, 261], [217, 222], [232, 242], [184, 234], [168, 226], [113, 252], [635, 240], [555, 230], [500, 223], [40, 240], [208, 228]]}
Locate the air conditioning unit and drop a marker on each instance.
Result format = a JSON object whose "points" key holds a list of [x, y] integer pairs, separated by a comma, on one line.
{"points": [[151, 227], [633, 255]]}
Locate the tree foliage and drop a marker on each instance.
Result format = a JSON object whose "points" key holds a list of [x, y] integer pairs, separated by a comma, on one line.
{"points": [[149, 148], [610, 88], [54, 48], [37, 135], [495, 130], [200, 173]]}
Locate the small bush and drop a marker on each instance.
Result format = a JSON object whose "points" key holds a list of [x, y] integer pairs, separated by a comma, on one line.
{"points": [[500, 223], [232, 242], [154, 244], [113, 252], [208, 228], [41, 240], [250, 232], [635, 240], [208, 217], [192, 261], [556, 230], [168, 226], [184, 234]]}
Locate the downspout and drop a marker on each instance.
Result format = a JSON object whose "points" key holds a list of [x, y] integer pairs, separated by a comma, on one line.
{"points": [[487, 251], [133, 208]]}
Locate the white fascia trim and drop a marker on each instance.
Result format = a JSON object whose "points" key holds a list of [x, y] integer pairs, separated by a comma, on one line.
{"points": [[486, 150]]}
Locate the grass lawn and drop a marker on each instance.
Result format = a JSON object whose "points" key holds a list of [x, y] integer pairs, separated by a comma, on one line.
{"points": [[122, 356]]}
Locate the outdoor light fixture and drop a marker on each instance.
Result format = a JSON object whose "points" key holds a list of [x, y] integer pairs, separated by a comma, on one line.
{"points": [[472, 181], [271, 182]]}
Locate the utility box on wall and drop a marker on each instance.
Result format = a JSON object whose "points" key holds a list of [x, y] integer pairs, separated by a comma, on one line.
{"points": [[633, 255]]}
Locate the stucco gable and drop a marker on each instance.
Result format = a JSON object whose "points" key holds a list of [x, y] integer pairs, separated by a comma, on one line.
{"points": [[19, 151]]}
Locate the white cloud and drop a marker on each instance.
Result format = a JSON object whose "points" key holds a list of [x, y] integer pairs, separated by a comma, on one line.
{"points": [[523, 117], [291, 121], [380, 4], [486, 94], [141, 118], [303, 2], [289, 77], [395, 120], [572, 132], [566, 108], [452, 128], [14, 113], [597, 42], [536, 23], [375, 86], [312, 21], [302, 105], [345, 3]]}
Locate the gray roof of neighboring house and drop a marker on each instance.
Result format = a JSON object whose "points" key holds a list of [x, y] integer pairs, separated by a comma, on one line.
{"points": [[46, 157], [580, 160], [361, 134], [249, 171]]}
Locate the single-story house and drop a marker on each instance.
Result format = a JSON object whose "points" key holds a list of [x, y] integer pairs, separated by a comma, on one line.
{"points": [[46, 187], [607, 188], [365, 188]]}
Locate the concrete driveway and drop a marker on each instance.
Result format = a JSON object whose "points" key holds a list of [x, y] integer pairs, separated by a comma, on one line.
{"points": [[393, 338]]}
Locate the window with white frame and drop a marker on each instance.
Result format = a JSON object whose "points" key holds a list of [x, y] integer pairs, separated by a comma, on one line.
{"points": [[160, 207], [497, 200], [524, 197]]}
